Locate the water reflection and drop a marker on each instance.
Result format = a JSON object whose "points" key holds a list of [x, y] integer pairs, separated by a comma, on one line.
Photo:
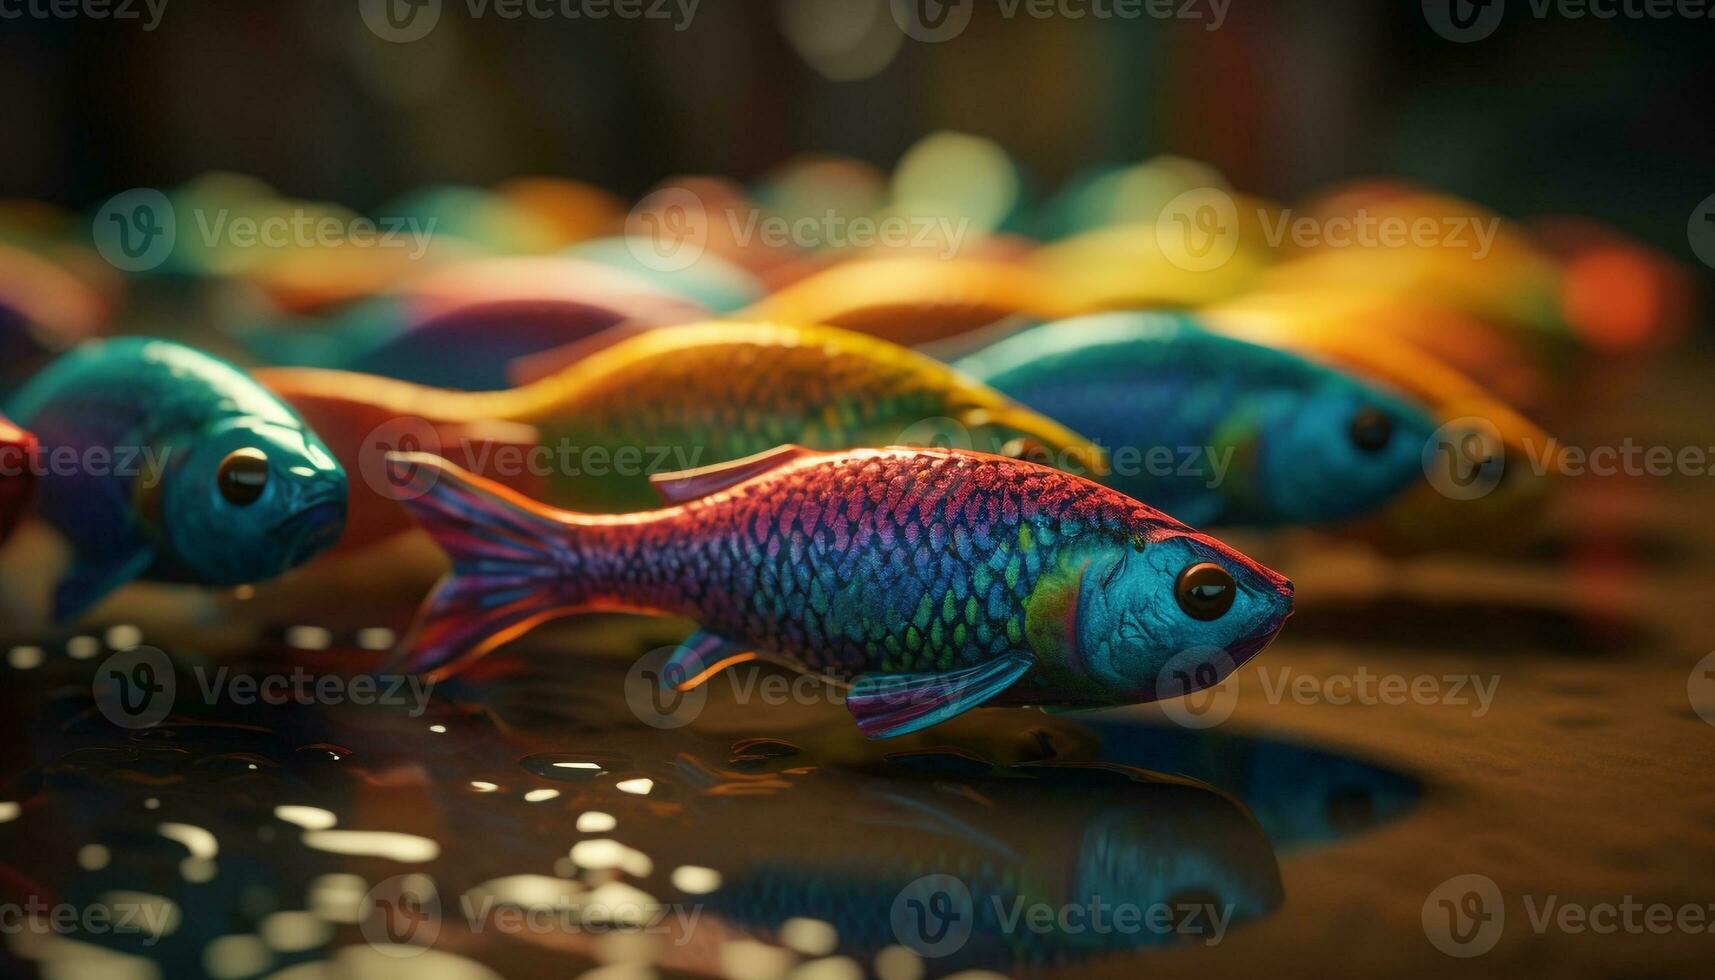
{"points": [[555, 833]]}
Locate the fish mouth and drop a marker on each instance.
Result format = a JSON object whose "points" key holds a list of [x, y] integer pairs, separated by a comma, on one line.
{"points": [[1241, 651], [312, 529]]}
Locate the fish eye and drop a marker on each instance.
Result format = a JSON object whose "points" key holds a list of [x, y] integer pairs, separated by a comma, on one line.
{"points": [[1205, 591], [1370, 429], [243, 475]]}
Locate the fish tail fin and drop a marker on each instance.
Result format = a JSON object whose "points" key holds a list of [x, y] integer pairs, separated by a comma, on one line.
{"points": [[511, 563]]}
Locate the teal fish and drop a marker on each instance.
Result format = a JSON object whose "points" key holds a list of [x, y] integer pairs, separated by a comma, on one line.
{"points": [[1209, 428], [160, 462]]}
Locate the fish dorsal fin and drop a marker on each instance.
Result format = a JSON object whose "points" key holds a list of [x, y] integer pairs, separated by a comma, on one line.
{"points": [[687, 485]]}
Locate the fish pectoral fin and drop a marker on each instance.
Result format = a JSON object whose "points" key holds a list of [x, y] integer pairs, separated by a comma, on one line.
{"points": [[701, 656], [687, 485], [89, 581], [886, 705]]}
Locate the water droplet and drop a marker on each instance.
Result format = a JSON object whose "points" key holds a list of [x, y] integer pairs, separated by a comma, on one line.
{"points": [[573, 767], [694, 880], [93, 857], [309, 638], [123, 637], [25, 658], [376, 638], [307, 817], [596, 822]]}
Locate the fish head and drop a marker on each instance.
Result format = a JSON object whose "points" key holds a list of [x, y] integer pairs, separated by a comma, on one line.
{"points": [[1489, 474], [1338, 449], [1160, 614], [250, 500]]}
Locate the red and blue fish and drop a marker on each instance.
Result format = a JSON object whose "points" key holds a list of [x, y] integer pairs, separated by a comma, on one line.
{"points": [[929, 581]]}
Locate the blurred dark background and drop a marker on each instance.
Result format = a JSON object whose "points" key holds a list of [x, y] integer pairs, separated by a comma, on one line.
{"points": [[1611, 118]]}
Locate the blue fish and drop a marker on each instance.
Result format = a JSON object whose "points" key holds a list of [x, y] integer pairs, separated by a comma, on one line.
{"points": [[161, 462], [1211, 429]]}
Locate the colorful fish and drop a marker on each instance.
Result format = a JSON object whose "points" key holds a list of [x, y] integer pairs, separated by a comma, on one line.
{"points": [[678, 397], [913, 301], [17, 474], [162, 462], [460, 327], [1212, 429], [1519, 463], [929, 580]]}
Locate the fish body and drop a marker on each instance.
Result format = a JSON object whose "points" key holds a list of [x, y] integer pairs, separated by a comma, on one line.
{"points": [[1480, 437], [679, 397], [1210, 428], [17, 474], [931, 580], [161, 462], [462, 327], [913, 301]]}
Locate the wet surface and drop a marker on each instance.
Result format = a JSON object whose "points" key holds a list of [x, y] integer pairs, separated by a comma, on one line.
{"points": [[526, 819]]}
